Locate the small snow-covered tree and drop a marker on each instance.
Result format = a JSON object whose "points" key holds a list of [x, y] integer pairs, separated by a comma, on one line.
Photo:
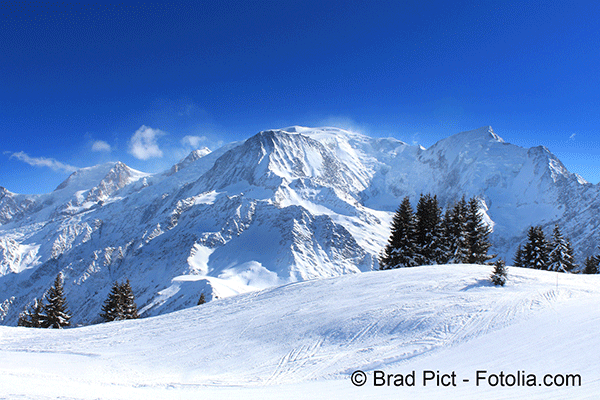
{"points": [[500, 273], [56, 314], [561, 253], [202, 299], [400, 250]]}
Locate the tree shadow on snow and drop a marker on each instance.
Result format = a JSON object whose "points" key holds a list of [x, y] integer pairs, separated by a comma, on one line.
{"points": [[478, 283]]}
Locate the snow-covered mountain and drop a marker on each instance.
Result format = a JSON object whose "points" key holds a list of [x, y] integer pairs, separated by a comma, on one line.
{"points": [[283, 206]]}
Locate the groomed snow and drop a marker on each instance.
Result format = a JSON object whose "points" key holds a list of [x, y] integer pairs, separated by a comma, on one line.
{"points": [[304, 340]]}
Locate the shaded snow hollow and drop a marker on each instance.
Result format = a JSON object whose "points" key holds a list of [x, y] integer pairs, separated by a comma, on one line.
{"points": [[303, 340]]}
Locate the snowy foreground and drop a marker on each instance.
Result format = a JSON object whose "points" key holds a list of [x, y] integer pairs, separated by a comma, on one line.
{"points": [[304, 340]]}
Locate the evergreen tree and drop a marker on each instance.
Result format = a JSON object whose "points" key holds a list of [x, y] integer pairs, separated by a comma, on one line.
{"points": [[519, 258], [400, 250], [120, 303], [500, 273], [32, 315], [202, 299], [591, 265], [478, 235], [535, 252], [455, 233], [56, 313], [429, 241], [112, 309], [129, 306], [25, 318], [561, 253]]}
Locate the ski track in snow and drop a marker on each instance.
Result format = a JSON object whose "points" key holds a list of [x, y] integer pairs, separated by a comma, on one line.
{"points": [[303, 340]]}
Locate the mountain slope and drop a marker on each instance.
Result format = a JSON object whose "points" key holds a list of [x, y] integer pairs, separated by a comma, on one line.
{"points": [[305, 339], [283, 206]]}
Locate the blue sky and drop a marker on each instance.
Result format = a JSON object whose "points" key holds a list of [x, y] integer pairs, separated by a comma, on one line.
{"points": [[146, 82]]}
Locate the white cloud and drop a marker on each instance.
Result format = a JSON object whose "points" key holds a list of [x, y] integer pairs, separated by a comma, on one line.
{"points": [[344, 122], [193, 141], [100, 145], [43, 162], [143, 144]]}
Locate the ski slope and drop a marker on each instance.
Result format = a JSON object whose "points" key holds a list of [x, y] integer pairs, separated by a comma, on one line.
{"points": [[304, 340]]}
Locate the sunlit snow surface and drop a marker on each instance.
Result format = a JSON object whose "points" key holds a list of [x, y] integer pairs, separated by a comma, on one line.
{"points": [[303, 340]]}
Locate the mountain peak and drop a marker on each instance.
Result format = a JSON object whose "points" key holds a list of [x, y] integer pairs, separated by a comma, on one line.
{"points": [[484, 133], [193, 156]]}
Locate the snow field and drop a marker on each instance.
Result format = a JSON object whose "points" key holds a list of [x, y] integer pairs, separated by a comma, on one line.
{"points": [[304, 340]]}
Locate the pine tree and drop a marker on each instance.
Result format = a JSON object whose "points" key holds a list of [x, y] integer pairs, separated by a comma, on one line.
{"points": [[25, 318], [202, 299], [129, 306], [429, 231], [561, 253], [120, 303], [478, 234], [535, 252], [31, 315], [400, 250], [591, 265], [455, 233], [500, 273], [112, 309], [56, 313], [519, 255]]}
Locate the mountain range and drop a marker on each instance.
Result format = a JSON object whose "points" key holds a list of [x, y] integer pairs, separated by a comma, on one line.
{"points": [[283, 206]]}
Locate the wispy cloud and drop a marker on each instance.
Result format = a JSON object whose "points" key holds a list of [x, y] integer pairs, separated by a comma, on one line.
{"points": [[193, 141], [43, 162], [101, 145], [344, 122], [144, 143]]}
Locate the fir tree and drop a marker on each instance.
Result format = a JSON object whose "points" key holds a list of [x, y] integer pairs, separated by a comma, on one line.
{"points": [[25, 318], [500, 273], [535, 252], [202, 299], [120, 303], [429, 231], [455, 233], [32, 315], [591, 265], [129, 306], [400, 250], [561, 253], [56, 314], [519, 258], [112, 309], [478, 234]]}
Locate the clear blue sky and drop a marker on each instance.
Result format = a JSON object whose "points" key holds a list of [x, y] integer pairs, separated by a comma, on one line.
{"points": [[146, 82]]}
